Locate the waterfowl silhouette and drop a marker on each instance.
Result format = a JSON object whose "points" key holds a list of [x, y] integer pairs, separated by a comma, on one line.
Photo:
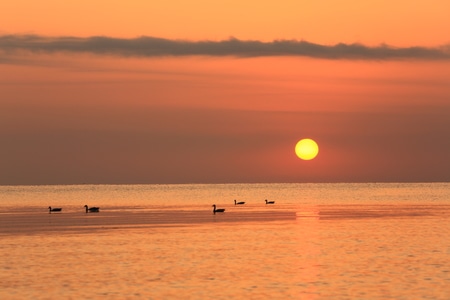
{"points": [[92, 209], [270, 202], [218, 209], [238, 203], [50, 209]]}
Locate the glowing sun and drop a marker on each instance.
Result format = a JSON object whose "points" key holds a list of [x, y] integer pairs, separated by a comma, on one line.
{"points": [[306, 149]]}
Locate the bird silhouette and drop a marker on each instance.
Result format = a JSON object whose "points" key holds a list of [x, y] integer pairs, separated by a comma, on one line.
{"points": [[217, 209], [92, 209], [50, 209]]}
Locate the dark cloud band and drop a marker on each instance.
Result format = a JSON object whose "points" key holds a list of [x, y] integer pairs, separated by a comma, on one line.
{"points": [[153, 47]]}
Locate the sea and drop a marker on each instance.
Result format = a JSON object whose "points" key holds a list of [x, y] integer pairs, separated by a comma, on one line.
{"points": [[316, 241]]}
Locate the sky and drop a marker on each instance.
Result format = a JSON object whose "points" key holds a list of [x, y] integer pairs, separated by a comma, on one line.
{"points": [[109, 92]]}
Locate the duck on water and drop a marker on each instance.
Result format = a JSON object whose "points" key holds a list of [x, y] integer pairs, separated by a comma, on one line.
{"points": [[219, 210], [238, 203], [92, 209], [56, 209]]}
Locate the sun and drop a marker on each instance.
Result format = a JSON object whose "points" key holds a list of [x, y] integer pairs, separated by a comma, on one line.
{"points": [[306, 149]]}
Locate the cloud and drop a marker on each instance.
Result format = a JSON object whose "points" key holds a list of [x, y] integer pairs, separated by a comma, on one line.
{"points": [[146, 46]]}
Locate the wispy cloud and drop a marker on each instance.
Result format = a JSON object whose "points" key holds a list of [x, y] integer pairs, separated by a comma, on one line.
{"points": [[153, 47]]}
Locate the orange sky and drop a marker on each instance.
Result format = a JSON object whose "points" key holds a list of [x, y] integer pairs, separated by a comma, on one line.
{"points": [[71, 116], [413, 22]]}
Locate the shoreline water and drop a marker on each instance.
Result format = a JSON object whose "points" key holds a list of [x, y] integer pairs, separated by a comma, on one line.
{"points": [[324, 241]]}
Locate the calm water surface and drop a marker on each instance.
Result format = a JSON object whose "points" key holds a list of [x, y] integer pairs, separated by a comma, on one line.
{"points": [[318, 241]]}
